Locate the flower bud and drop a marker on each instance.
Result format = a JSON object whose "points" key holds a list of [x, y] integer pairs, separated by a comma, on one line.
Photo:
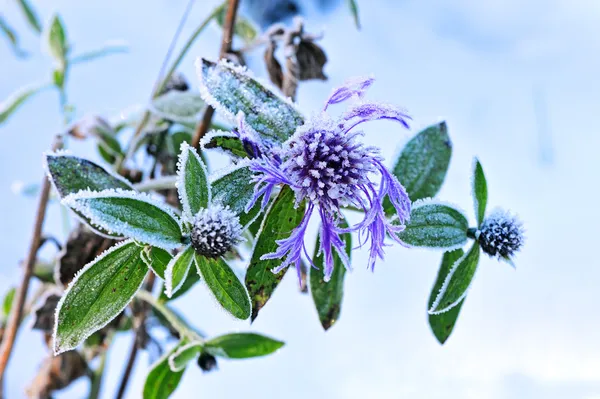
{"points": [[207, 362], [215, 231], [501, 234]]}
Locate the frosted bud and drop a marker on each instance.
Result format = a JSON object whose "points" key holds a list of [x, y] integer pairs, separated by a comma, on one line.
{"points": [[215, 231], [501, 234]]}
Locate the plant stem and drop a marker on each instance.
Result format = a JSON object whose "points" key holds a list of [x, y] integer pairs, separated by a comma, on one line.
{"points": [[16, 312], [228, 29], [97, 377]]}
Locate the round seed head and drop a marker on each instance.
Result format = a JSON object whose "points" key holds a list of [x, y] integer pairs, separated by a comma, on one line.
{"points": [[215, 231], [501, 234]]}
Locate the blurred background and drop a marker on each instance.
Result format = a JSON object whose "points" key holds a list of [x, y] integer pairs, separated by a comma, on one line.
{"points": [[517, 83]]}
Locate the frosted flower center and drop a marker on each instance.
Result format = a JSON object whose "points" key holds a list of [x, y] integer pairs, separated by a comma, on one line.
{"points": [[501, 235], [215, 231]]}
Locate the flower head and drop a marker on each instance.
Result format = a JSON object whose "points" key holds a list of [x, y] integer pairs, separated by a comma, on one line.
{"points": [[501, 234], [215, 231], [329, 168]]}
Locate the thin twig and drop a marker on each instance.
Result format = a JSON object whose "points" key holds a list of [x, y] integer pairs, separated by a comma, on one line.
{"points": [[16, 311], [228, 29]]}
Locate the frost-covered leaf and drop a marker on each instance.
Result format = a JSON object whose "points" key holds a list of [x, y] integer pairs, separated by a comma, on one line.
{"points": [[480, 193], [156, 259], [30, 15], [107, 49], [109, 148], [175, 321], [242, 345], [134, 215], [235, 189], [185, 354], [161, 381], [281, 218], [423, 163], [7, 302], [98, 294], [177, 270], [243, 28], [12, 37], [328, 296], [192, 182], [231, 90], [352, 4], [457, 282], [442, 324], [435, 225], [179, 106], [191, 280], [224, 285], [11, 104], [57, 40], [226, 142]]}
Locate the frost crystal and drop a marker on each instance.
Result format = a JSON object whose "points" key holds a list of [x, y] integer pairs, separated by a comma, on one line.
{"points": [[215, 231], [326, 165], [501, 234]]}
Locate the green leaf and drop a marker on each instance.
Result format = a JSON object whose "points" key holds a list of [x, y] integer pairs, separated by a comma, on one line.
{"points": [[190, 281], [442, 324], [185, 354], [457, 282], [57, 41], [235, 189], [480, 193], [327, 296], [179, 138], [109, 148], [435, 225], [30, 14], [7, 303], [99, 292], [177, 270], [243, 27], [231, 90], [131, 214], [242, 345], [280, 220], [156, 259], [11, 104], [58, 77], [179, 106], [225, 141], [224, 285], [423, 163], [161, 381], [354, 11], [104, 51], [11, 35], [192, 182]]}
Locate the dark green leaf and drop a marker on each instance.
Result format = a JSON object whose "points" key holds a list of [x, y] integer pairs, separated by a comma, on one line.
{"points": [[7, 303], [185, 354], [11, 35], [227, 142], [280, 220], [442, 324], [224, 285], [179, 138], [178, 269], [192, 182], [108, 49], [354, 11], [190, 281], [156, 259], [242, 345], [57, 41], [31, 16], [457, 282], [435, 225], [131, 214], [327, 296], [423, 163], [161, 381], [235, 189], [232, 90], [109, 148], [98, 294], [480, 193], [11, 104]]}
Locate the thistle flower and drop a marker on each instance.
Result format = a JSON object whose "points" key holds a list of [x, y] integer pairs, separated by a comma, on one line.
{"points": [[327, 166], [501, 234], [215, 231]]}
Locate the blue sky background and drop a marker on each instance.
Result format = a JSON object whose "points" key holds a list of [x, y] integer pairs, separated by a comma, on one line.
{"points": [[479, 65]]}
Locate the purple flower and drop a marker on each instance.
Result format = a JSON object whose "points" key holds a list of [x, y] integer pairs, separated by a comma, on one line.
{"points": [[327, 165]]}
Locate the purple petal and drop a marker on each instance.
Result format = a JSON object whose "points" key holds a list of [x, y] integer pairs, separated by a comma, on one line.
{"points": [[329, 240], [370, 112], [356, 87]]}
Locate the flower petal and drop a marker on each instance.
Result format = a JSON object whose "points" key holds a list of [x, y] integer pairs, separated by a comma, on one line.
{"points": [[352, 88]]}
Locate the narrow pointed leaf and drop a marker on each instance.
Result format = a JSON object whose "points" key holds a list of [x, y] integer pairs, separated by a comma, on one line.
{"points": [[327, 296], [177, 270], [108, 49], [185, 354], [11, 104], [12, 37], [30, 15], [232, 90], [191, 280], [161, 381], [57, 40], [235, 189], [224, 285], [480, 193], [243, 27], [457, 282], [134, 215], [7, 303], [156, 259], [179, 106], [99, 292], [242, 345], [435, 225], [352, 4], [226, 142], [423, 163], [192, 181], [442, 324], [280, 220]]}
